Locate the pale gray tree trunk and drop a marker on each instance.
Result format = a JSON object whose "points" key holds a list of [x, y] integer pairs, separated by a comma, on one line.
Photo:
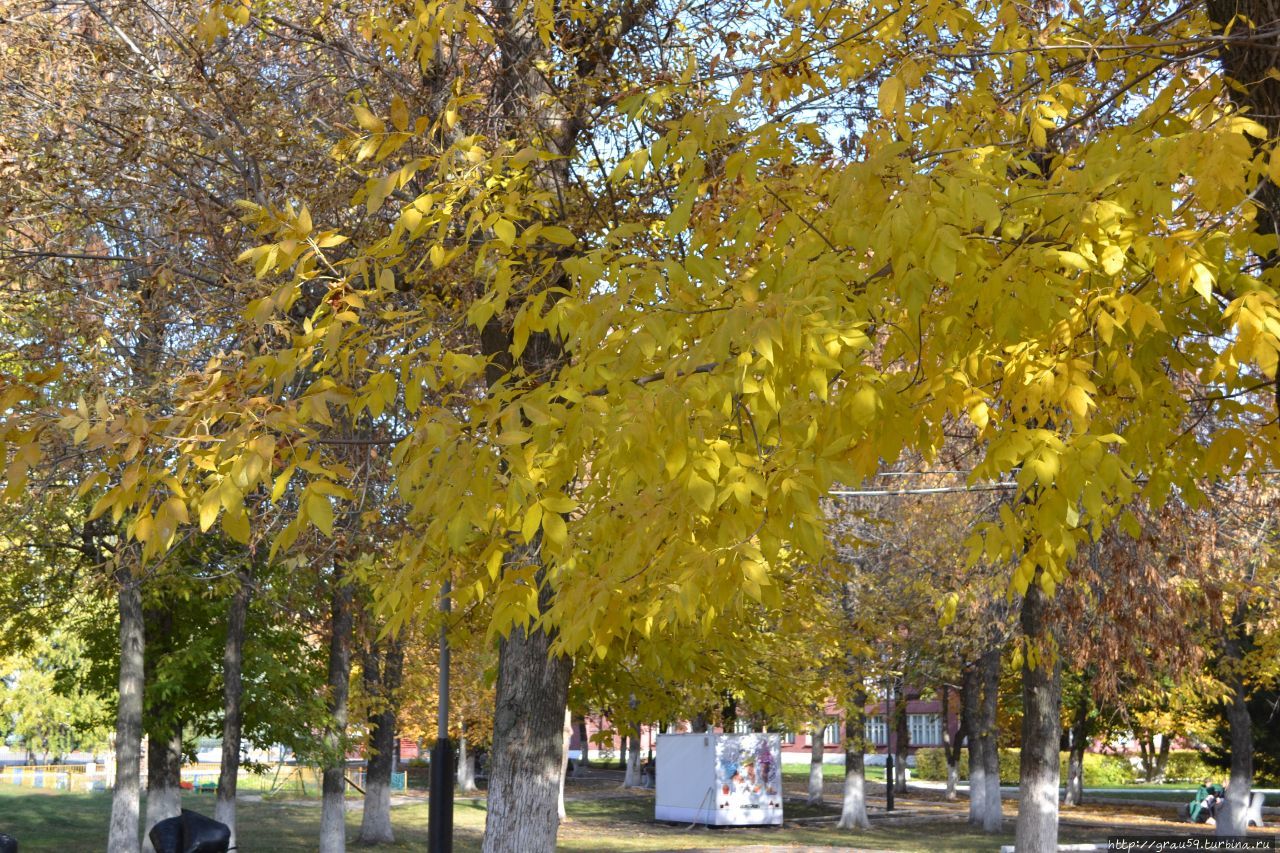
{"points": [[631, 778], [564, 762], [122, 835], [993, 810], [333, 826], [164, 777], [584, 760], [1037, 826], [971, 697], [951, 742], [382, 682], [224, 809], [1162, 758], [853, 805], [981, 686], [1075, 757], [528, 742], [817, 751], [1233, 817], [466, 764]]}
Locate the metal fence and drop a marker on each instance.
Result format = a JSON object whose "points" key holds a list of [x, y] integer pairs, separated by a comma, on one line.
{"points": [[285, 780]]}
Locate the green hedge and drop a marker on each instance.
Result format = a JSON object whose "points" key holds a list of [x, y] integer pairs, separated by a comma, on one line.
{"points": [[931, 765], [1188, 765]]}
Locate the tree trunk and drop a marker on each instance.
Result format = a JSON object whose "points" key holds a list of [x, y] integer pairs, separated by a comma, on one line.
{"points": [[980, 691], [817, 751], [970, 715], [584, 746], [333, 827], [1233, 818], [164, 778], [384, 684], [993, 811], [1037, 827], [224, 809], [902, 741], [631, 779], [1079, 740], [853, 806], [699, 724], [528, 742], [123, 833], [564, 762], [1162, 758], [466, 764], [951, 742], [1146, 755]]}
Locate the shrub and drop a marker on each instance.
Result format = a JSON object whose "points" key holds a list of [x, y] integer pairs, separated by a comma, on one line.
{"points": [[1105, 770], [931, 764], [1099, 770], [1188, 765]]}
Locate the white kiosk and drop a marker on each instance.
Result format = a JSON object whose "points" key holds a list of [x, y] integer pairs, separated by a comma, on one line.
{"points": [[719, 779]]}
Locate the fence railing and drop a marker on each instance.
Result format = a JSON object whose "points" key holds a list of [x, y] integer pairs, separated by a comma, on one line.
{"points": [[59, 777], [281, 780]]}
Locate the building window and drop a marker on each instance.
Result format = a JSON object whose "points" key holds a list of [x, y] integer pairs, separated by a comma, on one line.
{"points": [[875, 732], [741, 726], [789, 738], [924, 729], [832, 732]]}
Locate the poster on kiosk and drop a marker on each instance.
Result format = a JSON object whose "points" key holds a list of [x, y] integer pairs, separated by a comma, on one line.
{"points": [[719, 779]]}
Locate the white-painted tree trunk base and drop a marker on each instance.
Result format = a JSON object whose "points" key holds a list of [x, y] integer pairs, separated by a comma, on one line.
{"points": [[333, 819], [375, 825], [224, 811], [853, 804], [163, 802]]}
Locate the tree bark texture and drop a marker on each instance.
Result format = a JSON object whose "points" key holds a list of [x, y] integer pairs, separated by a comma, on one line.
{"points": [[631, 777], [224, 809], [1233, 818], [951, 743], [333, 829], [853, 805], [1075, 757], [528, 741], [817, 750], [382, 684], [584, 746], [982, 683], [1037, 826], [164, 778], [122, 835], [466, 765]]}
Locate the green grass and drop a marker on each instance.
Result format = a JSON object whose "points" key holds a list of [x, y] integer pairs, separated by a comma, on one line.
{"points": [[830, 772]]}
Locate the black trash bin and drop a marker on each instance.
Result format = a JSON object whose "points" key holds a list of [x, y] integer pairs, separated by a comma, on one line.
{"points": [[190, 833]]}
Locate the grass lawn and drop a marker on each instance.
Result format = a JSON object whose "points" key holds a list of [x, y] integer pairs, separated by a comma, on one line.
{"points": [[830, 773], [55, 821]]}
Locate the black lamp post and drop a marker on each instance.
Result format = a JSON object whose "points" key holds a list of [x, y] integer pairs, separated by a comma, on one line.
{"points": [[440, 804], [888, 743]]}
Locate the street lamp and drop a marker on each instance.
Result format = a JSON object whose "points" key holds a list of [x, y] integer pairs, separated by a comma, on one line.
{"points": [[888, 742], [440, 804]]}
